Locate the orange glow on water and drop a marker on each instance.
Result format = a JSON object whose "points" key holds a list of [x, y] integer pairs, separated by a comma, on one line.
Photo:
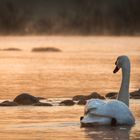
{"points": [[84, 65]]}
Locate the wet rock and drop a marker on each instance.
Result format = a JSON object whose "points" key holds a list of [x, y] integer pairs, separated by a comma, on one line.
{"points": [[135, 97], [11, 49], [8, 103], [82, 102], [67, 103], [94, 95], [46, 49], [102, 97], [40, 98], [111, 95], [26, 99], [42, 104], [79, 97], [135, 94]]}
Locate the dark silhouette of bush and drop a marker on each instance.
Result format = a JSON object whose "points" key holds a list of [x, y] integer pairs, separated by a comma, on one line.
{"points": [[98, 17], [12, 18]]}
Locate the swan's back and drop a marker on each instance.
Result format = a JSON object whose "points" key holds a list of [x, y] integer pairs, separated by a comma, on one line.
{"points": [[118, 110]]}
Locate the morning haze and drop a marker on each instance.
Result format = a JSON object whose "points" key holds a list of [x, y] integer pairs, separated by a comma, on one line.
{"points": [[56, 55]]}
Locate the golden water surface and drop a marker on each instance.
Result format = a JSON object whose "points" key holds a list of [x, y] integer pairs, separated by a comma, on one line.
{"points": [[84, 65]]}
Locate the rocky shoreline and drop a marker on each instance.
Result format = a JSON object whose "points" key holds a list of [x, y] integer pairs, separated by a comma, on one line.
{"points": [[28, 99]]}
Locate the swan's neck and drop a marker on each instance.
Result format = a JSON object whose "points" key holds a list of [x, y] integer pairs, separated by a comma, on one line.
{"points": [[124, 90]]}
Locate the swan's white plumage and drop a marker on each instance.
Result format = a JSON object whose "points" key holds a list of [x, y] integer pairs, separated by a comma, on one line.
{"points": [[101, 113]]}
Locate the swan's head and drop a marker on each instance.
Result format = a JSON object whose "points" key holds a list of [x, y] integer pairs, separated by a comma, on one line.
{"points": [[121, 62]]}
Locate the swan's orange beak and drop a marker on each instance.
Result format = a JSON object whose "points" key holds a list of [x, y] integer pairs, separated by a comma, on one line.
{"points": [[116, 69]]}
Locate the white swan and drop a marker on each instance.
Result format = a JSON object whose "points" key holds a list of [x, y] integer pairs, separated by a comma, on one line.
{"points": [[116, 112]]}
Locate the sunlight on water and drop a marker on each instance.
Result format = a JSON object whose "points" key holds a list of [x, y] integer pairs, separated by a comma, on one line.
{"points": [[84, 65], [61, 123]]}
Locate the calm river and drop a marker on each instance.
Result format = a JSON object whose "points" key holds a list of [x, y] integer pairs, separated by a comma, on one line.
{"points": [[84, 65]]}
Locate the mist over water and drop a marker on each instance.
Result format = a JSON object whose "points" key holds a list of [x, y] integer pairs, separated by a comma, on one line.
{"points": [[84, 65]]}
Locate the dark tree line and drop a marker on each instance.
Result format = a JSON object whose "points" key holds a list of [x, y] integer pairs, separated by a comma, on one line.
{"points": [[97, 17], [12, 18]]}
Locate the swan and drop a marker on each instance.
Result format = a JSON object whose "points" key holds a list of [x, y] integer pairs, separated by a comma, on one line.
{"points": [[116, 112]]}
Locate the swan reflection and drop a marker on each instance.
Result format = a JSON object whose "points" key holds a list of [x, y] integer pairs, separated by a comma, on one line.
{"points": [[108, 133]]}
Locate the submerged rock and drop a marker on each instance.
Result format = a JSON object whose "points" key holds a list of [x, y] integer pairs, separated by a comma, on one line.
{"points": [[135, 97], [46, 49], [82, 102], [95, 95], [67, 103], [11, 49], [26, 99], [79, 97], [40, 98], [8, 103], [135, 94], [111, 95], [42, 104]]}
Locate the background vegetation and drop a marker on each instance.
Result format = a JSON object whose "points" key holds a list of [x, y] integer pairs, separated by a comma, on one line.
{"points": [[86, 17]]}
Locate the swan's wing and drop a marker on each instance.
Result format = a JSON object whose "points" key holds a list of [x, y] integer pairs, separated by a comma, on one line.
{"points": [[115, 109], [95, 120], [89, 118]]}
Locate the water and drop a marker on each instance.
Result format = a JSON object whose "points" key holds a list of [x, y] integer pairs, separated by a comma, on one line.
{"points": [[61, 123], [84, 65]]}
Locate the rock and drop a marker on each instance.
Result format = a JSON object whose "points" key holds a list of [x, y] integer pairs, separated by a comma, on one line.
{"points": [[40, 98], [82, 102], [46, 49], [67, 102], [135, 94], [8, 103], [135, 97], [11, 49], [111, 95], [79, 97], [26, 99], [102, 97], [42, 104], [94, 95]]}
